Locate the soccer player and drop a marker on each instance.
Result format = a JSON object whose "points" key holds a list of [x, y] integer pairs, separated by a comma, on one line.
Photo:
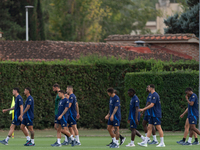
{"points": [[63, 114], [56, 88], [122, 139], [155, 119], [193, 112], [66, 141], [18, 110], [134, 115], [187, 127], [147, 117], [113, 117], [28, 116], [74, 113]]}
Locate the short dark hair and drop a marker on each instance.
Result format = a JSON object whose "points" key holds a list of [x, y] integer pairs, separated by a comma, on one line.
{"points": [[188, 89], [70, 86], [132, 90], [29, 89], [110, 90], [62, 91], [17, 89], [152, 86], [56, 85], [115, 91]]}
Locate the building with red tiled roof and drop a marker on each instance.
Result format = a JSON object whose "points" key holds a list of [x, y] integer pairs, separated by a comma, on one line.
{"points": [[59, 50], [178, 44]]}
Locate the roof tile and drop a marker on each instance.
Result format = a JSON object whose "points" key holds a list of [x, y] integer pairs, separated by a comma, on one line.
{"points": [[147, 37], [59, 50]]}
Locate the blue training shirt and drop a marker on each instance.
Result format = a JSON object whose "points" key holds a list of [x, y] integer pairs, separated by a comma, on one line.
{"points": [[156, 109], [115, 101], [147, 112], [133, 104], [30, 113], [72, 110], [61, 107], [18, 103], [193, 110]]}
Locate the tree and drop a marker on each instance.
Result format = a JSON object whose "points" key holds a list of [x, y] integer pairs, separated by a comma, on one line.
{"points": [[94, 20], [188, 22], [40, 22], [8, 25], [12, 24]]}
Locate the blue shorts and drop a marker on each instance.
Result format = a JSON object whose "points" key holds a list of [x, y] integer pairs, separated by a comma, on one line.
{"points": [[71, 120], [147, 118], [56, 117], [27, 122], [16, 122], [133, 124], [192, 120], [155, 121], [114, 123], [62, 121]]}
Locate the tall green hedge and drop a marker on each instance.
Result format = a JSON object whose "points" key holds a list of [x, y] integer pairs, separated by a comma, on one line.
{"points": [[171, 88], [90, 78]]}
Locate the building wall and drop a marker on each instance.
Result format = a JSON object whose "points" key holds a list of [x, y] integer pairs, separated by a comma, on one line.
{"points": [[187, 48]]}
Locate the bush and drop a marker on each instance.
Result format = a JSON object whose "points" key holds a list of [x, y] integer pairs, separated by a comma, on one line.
{"points": [[90, 76], [171, 88]]}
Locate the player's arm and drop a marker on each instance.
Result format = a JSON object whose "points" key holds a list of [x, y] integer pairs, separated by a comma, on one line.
{"points": [[148, 107], [77, 110], [108, 115], [27, 108], [21, 112], [64, 112], [136, 115], [5, 110], [183, 114], [114, 112], [70, 101], [148, 103], [191, 103]]}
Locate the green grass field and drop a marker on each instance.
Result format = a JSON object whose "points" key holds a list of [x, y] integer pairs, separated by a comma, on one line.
{"points": [[90, 139]]}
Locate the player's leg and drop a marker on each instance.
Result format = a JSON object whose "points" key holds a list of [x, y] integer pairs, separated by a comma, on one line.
{"points": [[73, 124], [74, 127], [58, 142], [187, 126], [155, 141], [25, 131], [144, 125], [193, 127], [66, 141], [113, 131], [160, 131], [149, 131], [12, 128], [134, 132], [55, 126], [109, 128], [116, 138], [193, 122], [196, 142], [70, 129], [140, 135], [67, 133], [122, 139], [30, 128], [189, 142]]}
